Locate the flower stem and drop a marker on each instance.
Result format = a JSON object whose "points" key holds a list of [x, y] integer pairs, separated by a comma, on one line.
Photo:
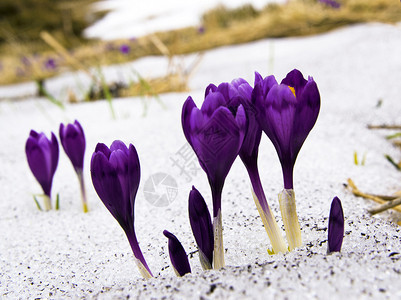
{"points": [[83, 191], [139, 259], [47, 202], [290, 219], [268, 219], [218, 253]]}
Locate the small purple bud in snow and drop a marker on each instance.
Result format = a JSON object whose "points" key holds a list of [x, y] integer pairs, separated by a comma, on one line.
{"points": [[201, 224], [42, 155], [72, 139], [178, 257], [125, 49], [336, 226]]}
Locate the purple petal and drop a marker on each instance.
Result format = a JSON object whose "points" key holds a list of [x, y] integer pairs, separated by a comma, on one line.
{"points": [[107, 185], [178, 256], [119, 145], [258, 78], [296, 80], [228, 91], [307, 112], [54, 154], [134, 173], [336, 227], [119, 162], [201, 224], [39, 164], [211, 88], [187, 108], [212, 102], [100, 147]]}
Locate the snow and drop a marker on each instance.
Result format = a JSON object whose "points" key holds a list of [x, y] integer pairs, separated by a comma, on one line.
{"points": [[134, 18], [69, 254]]}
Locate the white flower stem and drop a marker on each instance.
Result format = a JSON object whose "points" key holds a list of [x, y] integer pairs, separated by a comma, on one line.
{"points": [[271, 227], [142, 269], [218, 253], [83, 191], [47, 202], [290, 219]]}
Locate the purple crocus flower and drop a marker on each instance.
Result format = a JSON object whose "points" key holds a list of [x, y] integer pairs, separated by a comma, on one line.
{"points": [[125, 49], [178, 256], [216, 135], [286, 113], [72, 139], [331, 3], [336, 227], [201, 224], [42, 155], [115, 176], [50, 64]]}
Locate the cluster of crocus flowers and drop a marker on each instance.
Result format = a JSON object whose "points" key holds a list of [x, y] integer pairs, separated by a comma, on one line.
{"points": [[72, 139], [230, 123], [42, 155], [115, 175]]}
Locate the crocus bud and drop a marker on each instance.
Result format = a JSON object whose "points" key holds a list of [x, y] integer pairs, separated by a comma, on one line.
{"points": [[115, 176], [178, 257], [42, 155], [72, 139], [336, 226], [202, 227]]}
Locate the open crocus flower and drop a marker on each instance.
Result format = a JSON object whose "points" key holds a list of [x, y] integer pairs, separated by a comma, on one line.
{"points": [[201, 224], [72, 139], [178, 256], [336, 227], [42, 155], [286, 113], [216, 135], [115, 175]]}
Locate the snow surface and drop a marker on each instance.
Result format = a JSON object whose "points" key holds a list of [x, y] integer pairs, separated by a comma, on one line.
{"points": [[135, 18], [69, 254]]}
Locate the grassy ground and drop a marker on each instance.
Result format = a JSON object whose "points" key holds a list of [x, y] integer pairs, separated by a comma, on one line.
{"points": [[219, 27]]}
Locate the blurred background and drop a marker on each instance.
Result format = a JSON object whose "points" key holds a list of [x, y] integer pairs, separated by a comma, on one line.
{"points": [[40, 39]]}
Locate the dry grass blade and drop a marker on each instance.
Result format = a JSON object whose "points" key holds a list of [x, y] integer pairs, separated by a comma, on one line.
{"points": [[384, 126], [388, 205], [351, 185]]}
